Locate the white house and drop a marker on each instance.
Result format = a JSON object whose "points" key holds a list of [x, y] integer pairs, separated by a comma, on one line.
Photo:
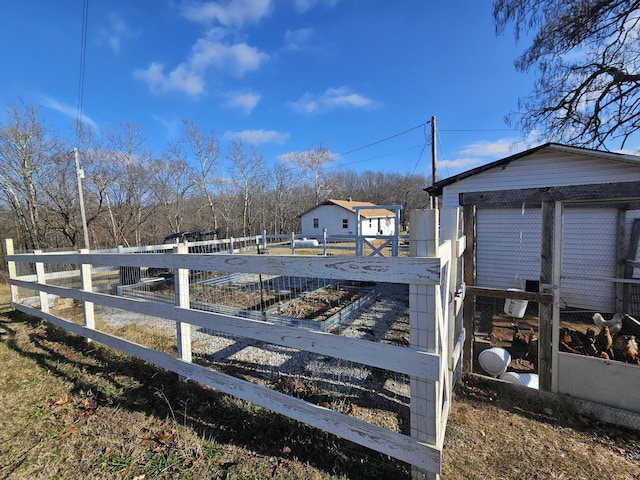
{"points": [[339, 217], [595, 231]]}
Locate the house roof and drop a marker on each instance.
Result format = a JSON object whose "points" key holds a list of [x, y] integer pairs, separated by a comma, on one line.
{"points": [[436, 188], [373, 212]]}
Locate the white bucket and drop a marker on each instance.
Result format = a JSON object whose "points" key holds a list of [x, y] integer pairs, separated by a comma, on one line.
{"points": [[511, 377], [525, 379], [515, 308], [494, 360]]}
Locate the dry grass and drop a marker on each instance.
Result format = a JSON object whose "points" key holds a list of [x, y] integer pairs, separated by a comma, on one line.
{"points": [[75, 410]]}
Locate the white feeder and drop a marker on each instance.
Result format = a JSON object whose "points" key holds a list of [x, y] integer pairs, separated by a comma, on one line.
{"points": [[525, 379], [515, 308], [494, 360]]}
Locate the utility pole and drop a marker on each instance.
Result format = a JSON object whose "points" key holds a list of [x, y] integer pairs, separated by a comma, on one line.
{"points": [[80, 176], [434, 199]]}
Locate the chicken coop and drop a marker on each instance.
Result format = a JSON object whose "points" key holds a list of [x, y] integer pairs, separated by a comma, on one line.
{"points": [[551, 271]]}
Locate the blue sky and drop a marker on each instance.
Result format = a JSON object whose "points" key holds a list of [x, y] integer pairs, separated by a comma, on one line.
{"points": [[287, 75]]}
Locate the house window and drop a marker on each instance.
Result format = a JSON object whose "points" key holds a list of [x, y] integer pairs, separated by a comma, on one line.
{"points": [[345, 223], [316, 223]]}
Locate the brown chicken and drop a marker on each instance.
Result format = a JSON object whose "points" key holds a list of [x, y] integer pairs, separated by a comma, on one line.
{"points": [[566, 342], [533, 349], [604, 341], [519, 347], [625, 349]]}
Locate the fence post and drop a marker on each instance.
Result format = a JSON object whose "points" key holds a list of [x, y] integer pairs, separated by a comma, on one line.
{"points": [[545, 315], [425, 401], [449, 223], [469, 278], [11, 267], [40, 278], [264, 239], [293, 239], [395, 249], [231, 245], [181, 280], [324, 242], [87, 286]]}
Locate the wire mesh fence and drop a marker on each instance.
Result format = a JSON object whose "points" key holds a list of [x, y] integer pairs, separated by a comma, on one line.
{"points": [[365, 310]]}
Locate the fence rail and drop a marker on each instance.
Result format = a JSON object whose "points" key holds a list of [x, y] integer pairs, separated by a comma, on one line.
{"points": [[430, 361]]}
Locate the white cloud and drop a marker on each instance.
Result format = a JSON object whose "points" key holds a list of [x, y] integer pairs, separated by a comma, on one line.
{"points": [[501, 147], [304, 5], [233, 13], [300, 39], [332, 99], [481, 153], [114, 33], [245, 101], [68, 110], [459, 164], [180, 79], [238, 58], [189, 77], [257, 137]]}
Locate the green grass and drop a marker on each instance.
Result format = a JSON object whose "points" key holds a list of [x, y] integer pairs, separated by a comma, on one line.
{"points": [[77, 410]]}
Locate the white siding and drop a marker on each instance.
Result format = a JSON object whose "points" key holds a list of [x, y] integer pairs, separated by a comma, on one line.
{"points": [[543, 169], [506, 259], [329, 217]]}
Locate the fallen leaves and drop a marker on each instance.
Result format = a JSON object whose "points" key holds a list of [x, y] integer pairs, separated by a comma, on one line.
{"points": [[60, 402], [160, 440], [89, 405], [68, 433]]}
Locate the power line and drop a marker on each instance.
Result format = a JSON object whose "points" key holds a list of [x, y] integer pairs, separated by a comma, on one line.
{"points": [[391, 137], [477, 130], [79, 171], [424, 145], [83, 55], [384, 139]]}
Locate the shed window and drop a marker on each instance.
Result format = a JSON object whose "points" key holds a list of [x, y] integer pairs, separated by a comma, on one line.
{"points": [[316, 223], [345, 223]]}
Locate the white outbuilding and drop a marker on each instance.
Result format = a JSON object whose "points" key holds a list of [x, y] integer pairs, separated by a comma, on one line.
{"points": [[340, 217], [599, 195]]}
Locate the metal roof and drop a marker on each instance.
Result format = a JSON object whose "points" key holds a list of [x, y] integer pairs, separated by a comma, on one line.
{"points": [[436, 188]]}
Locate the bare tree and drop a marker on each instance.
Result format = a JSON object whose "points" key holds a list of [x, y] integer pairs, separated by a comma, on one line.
{"points": [[171, 189], [61, 207], [311, 164], [588, 61], [122, 172], [201, 151], [27, 154], [247, 167], [280, 200]]}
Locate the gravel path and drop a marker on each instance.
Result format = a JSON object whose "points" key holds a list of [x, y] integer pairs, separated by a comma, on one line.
{"points": [[386, 319]]}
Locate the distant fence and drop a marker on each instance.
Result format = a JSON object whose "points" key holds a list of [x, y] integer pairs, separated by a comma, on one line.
{"points": [[46, 284], [294, 244]]}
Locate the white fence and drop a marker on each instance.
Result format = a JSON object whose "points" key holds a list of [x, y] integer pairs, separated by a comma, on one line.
{"points": [[370, 245], [436, 336]]}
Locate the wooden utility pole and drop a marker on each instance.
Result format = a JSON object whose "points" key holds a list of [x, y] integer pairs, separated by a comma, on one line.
{"points": [[80, 176], [434, 158]]}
